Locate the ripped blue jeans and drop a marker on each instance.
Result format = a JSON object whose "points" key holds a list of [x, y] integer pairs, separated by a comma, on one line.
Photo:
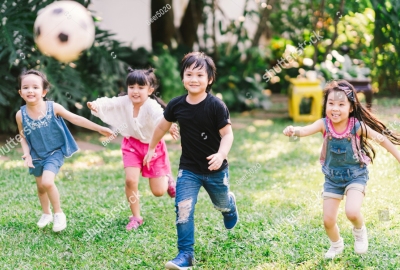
{"points": [[187, 189]]}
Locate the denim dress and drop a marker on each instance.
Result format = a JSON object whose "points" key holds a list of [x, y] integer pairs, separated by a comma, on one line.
{"points": [[47, 137], [343, 162]]}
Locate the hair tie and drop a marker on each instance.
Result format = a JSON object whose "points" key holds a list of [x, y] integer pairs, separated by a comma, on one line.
{"points": [[130, 69], [347, 90]]}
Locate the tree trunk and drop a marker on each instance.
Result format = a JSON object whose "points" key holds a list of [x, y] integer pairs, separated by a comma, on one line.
{"points": [[162, 28], [190, 21], [338, 16], [262, 25], [317, 18]]}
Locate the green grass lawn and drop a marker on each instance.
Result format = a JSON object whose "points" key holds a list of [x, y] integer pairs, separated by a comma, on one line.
{"points": [[277, 185]]}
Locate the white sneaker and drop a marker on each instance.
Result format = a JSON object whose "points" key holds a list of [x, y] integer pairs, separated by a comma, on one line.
{"points": [[60, 222], [361, 240], [45, 220], [335, 249]]}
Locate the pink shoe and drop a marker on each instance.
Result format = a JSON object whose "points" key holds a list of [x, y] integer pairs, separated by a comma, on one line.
{"points": [[134, 223], [171, 186]]}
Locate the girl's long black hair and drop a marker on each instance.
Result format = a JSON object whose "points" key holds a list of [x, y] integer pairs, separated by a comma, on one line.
{"points": [[365, 117], [144, 77]]}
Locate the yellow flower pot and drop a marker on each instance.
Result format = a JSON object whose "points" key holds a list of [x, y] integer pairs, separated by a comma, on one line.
{"points": [[305, 100]]}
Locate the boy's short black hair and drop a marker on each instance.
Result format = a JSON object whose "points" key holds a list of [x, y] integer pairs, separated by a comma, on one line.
{"points": [[200, 60]]}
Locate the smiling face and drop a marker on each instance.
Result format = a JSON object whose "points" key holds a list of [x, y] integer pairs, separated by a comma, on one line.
{"points": [[32, 89], [195, 80], [138, 94], [338, 107]]}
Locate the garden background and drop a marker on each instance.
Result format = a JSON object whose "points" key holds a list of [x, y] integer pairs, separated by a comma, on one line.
{"points": [[277, 181]]}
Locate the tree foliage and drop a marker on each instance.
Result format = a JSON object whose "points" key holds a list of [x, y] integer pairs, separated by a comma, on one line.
{"points": [[99, 71], [370, 28]]}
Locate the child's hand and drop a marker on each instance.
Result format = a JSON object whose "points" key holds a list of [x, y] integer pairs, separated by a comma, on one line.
{"points": [[174, 131], [215, 162], [28, 161], [92, 106], [106, 132], [289, 131], [148, 157]]}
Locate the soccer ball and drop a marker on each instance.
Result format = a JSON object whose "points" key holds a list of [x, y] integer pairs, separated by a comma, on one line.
{"points": [[63, 30]]}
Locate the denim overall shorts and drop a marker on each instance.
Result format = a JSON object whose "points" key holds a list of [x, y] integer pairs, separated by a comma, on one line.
{"points": [[343, 163], [49, 140]]}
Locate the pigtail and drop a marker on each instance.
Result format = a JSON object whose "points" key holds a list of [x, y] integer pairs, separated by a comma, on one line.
{"points": [[159, 101], [123, 93], [155, 84], [149, 71]]}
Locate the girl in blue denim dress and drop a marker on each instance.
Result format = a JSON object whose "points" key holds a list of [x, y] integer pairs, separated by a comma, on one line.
{"points": [[345, 154], [45, 141]]}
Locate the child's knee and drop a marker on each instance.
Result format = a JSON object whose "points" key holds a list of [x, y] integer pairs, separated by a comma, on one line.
{"points": [[41, 188], [184, 208], [352, 214], [329, 221], [47, 185], [131, 182], [158, 192], [222, 203]]}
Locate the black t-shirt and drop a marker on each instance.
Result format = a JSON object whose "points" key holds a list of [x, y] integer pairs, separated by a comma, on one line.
{"points": [[199, 129]]}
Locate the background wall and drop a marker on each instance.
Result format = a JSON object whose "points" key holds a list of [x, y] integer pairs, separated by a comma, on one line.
{"points": [[121, 17]]}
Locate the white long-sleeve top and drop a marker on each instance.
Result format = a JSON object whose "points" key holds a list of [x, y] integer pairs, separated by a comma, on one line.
{"points": [[118, 112]]}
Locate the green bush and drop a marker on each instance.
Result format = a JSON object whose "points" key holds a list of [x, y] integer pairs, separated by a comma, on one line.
{"points": [[239, 79], [167, 71], [99, 71]]}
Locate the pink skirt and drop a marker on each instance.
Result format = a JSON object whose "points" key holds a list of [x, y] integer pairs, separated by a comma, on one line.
{"points": [[134, 151]]}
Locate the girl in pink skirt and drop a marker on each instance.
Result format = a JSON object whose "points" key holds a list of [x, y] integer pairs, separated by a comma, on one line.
{"points": [[136, 116]]}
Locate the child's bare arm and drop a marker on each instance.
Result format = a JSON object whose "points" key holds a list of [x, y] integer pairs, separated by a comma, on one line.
{"points": [[381, 139], [80, 121], [317, 126], [160, 130], [217, 159], [25, 148]]}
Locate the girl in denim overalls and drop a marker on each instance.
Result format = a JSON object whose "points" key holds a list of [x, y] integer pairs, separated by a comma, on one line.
{"points": [[344, 158], [46, 140]]}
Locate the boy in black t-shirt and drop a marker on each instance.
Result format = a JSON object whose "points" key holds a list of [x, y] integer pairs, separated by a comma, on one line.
{"points": [[206, 140]]}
